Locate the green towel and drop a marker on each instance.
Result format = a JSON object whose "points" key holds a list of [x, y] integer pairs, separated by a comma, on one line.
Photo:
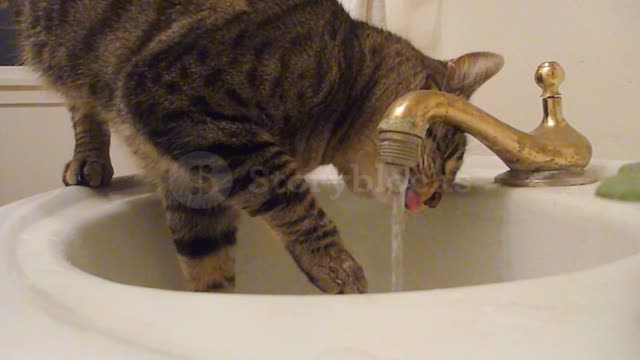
{"points": [[624, 186]]}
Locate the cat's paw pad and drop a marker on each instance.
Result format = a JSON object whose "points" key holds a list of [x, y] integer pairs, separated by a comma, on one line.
{"points": [[92, 172], [337, 272]]}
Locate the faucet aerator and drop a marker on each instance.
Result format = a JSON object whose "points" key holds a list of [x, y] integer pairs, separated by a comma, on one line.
{"points": [[399, 148]]}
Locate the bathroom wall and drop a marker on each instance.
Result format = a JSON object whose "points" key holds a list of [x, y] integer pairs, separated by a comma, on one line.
{"points": [[598, 43]]}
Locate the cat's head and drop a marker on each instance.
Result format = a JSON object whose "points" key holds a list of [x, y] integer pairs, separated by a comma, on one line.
{"points": [[444, 146]]}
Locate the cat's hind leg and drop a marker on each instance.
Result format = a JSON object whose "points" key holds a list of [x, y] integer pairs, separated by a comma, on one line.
{"points": [[91, 163], [205, 240]]}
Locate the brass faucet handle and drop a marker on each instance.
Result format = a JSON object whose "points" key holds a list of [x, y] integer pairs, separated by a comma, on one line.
{"points": [[549, 77]]}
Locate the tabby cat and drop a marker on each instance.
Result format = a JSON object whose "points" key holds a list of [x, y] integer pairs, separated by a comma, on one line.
{"points": [[280, 85]]}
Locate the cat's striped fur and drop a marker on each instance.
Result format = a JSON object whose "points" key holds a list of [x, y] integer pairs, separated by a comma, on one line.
{"points": [[284, 85]]}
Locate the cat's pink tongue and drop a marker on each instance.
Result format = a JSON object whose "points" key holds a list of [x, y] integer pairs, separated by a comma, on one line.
{"points": [[412, 201]]}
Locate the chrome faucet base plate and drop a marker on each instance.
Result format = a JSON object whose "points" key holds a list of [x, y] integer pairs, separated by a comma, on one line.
{"points": [[555, 178]]}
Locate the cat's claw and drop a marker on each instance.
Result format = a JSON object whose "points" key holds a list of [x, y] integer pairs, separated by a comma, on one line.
{"points": [[337, 272], [91, 172]]}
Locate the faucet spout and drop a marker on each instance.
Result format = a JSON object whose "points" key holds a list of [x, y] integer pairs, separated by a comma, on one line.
{"points": [[554, 146]]}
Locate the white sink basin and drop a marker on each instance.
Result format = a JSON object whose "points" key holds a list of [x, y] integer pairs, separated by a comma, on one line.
{"points": [[487, 235], [69, 258]]}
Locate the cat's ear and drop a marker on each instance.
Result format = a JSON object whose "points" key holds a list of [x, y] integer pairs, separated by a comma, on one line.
{"points": [[468, 72]]}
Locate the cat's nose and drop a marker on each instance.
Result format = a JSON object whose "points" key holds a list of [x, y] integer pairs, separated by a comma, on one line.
{"points": [[434, 200]]}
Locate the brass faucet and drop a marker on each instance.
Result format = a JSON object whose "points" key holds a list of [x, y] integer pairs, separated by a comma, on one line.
{"points": [[554, 154]]}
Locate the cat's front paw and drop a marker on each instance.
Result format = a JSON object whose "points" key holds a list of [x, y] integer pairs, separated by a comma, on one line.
{"points": [[335, 271], [93, 172]]}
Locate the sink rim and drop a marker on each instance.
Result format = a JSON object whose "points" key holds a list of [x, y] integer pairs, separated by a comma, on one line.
{"points": [[594, 298]]}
